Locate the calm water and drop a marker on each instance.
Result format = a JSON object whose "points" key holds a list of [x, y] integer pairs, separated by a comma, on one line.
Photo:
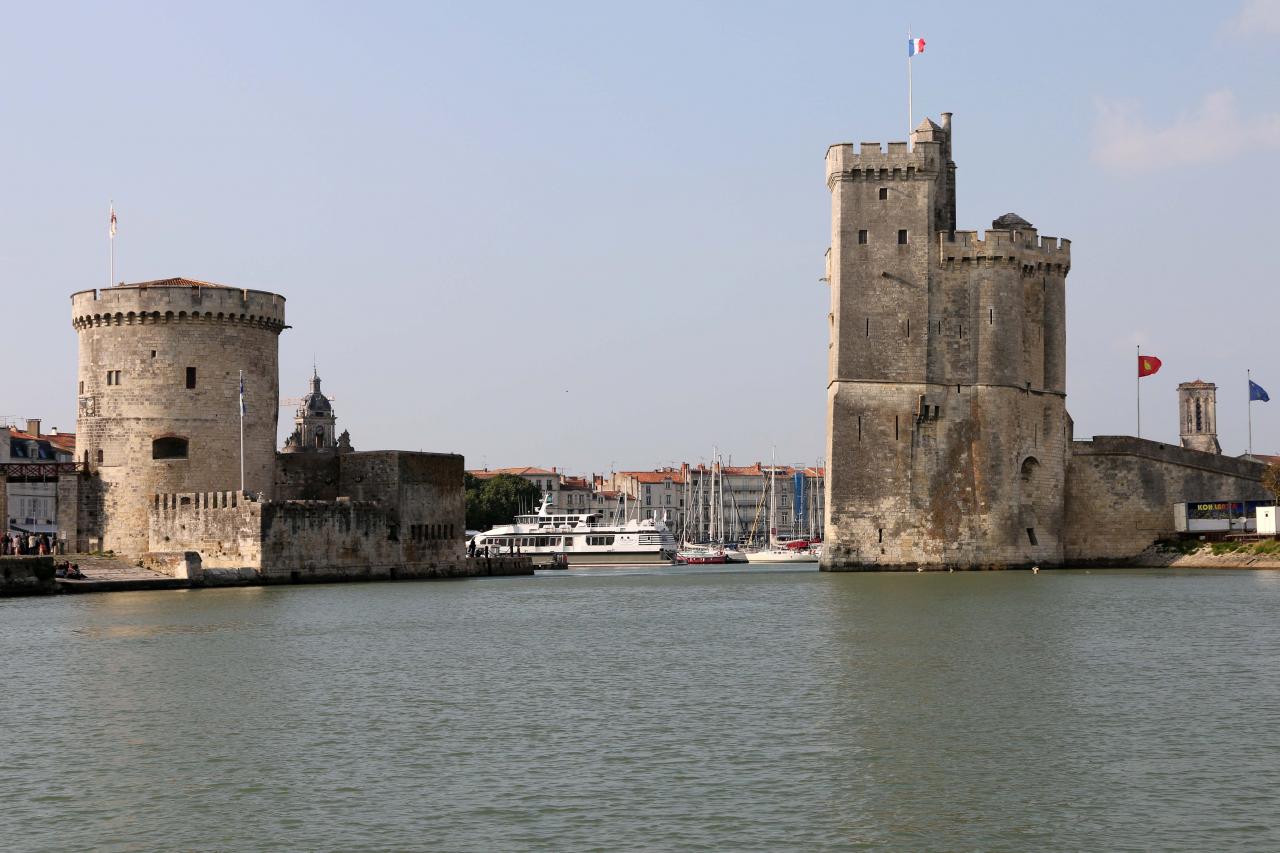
{"points": [[668, 709]]}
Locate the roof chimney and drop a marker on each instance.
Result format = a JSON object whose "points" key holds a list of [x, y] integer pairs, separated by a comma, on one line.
{"points": [[33, 426]]}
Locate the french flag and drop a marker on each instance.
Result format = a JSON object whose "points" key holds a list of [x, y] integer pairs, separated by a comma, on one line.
{"points": [[914, 46]]}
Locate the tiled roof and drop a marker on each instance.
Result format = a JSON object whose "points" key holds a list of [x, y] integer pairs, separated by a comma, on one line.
{"points": [[176, 282], [486, 473], [652, 476]]}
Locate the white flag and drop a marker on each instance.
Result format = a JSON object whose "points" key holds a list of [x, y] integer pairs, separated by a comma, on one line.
{"points": [[111, 227]]}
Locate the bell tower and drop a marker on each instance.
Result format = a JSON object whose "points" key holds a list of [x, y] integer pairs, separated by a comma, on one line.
{"points": [[1198, 413], [315, 425]]}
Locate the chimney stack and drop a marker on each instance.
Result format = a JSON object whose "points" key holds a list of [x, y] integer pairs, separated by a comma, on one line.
{"points": [[33, 426]]}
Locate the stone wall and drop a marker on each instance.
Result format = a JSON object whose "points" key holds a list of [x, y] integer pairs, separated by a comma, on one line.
{"points": [[27, 576], [401, 515], [162, 361], [1121, 491]]}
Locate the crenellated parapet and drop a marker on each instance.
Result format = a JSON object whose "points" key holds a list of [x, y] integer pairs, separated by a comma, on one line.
{"points": [[177, 300], [1023, 248], [869, 161]]}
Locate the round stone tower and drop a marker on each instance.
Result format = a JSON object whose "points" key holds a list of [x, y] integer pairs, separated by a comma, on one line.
{"points": [[159, 398]]}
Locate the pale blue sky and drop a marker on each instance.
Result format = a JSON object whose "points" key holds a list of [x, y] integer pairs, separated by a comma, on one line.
{"points": [[587, 234]]}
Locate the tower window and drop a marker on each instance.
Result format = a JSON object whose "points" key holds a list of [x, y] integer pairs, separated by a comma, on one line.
{"points": [[884, 193], [86, 453], [902, 236], [169, 447], [81, 386], [191, 377], [113, 377], [862, 237], [153, 353]]}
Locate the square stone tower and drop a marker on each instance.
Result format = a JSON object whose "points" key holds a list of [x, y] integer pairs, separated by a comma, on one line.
{"points": [[1198, 414], [947, 430]]}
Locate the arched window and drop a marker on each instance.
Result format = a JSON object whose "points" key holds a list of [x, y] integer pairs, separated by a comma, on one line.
{"points": [[169, 447]]}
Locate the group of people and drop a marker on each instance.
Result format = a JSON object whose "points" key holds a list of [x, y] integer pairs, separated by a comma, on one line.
{"points": [[32, 544]]}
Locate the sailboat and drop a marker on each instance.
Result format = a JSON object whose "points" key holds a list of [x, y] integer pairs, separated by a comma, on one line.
{"points": [[792, 551]]}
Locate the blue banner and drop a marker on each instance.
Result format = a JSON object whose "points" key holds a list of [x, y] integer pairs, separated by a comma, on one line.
{"points": [[799, 496]]}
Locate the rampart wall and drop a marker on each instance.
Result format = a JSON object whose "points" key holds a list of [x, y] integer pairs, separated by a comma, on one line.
{"points": [[1120, 493]]}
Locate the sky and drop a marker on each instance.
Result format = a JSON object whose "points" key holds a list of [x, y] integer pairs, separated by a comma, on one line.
{"points": [[591, 235]]}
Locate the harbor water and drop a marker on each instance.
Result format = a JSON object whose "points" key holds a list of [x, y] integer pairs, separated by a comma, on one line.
{"points": [[650, 709]]}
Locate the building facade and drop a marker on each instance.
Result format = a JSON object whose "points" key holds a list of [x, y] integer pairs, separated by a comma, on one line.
{"points": [[29, 503]]}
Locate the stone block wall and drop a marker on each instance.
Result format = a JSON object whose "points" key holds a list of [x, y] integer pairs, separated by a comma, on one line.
{"points": [[1121, 491], [225, 528]]}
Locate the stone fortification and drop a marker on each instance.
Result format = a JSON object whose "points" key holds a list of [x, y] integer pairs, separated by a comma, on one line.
{"points": [[401, 514], [159, 402], [1121, 491], [947, 427]]}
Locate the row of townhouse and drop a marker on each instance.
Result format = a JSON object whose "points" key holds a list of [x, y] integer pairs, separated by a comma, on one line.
{"points": [[695, 501], [31, 496]]}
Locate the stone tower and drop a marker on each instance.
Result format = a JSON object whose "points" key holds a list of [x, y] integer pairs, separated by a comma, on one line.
{"points": [[1198, 414], [947, 430], [315, 425], [159, 391]]}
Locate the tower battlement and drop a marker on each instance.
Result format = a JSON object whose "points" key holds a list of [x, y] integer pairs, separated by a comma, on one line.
{"points": [[1025, 246], [173, 299], [870, 161]]}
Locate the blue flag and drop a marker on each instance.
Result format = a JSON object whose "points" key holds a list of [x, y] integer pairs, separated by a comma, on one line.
{"points": [[244, 410], [1257, 392]]}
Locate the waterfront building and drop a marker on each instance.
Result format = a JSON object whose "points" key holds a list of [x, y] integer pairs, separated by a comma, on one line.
{"points": [[29, 503]]}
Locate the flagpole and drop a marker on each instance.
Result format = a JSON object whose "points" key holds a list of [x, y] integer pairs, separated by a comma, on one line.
{"points": [[1249, 376], [242, 432], [1139, 384], [111, 239], [910, 112]]}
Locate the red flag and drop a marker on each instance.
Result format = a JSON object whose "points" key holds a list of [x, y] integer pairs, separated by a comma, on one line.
{"points": [[1147, 365]]}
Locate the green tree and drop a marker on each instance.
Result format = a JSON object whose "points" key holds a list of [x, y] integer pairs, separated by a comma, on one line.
{"points": [[1271, 479], [497, 500]]}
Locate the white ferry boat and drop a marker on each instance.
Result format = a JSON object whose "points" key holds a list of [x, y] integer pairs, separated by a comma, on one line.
{"points": [[581, 538]]}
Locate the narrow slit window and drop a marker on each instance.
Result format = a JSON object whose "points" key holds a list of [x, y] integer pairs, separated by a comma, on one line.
{"points": [[902, 237], [908, 327], [868, 327], [191, 377], [859, 427], [896, 435], [991, 316], [880, 535]]}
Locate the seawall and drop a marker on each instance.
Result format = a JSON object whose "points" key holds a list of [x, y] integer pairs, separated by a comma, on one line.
{"points": [[27, 576]]}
